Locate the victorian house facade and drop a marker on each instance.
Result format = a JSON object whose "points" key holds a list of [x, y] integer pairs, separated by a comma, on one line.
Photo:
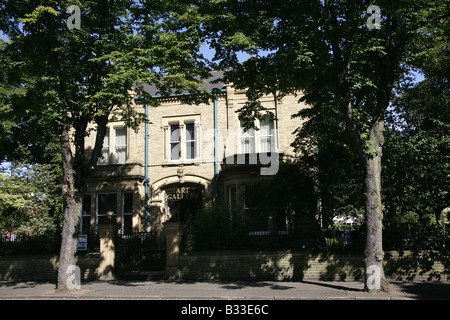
{"points": [[185, 157]]}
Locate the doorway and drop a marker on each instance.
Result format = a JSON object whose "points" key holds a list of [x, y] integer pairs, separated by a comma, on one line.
{"points": [[183, 201]]}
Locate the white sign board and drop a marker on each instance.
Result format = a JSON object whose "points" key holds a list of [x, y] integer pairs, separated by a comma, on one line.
{"points": [[82, 242]]}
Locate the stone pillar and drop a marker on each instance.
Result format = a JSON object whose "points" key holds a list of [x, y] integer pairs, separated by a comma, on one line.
{"points": [[173, 237], [107, 233]]}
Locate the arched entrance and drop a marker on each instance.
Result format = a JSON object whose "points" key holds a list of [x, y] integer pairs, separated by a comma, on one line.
{"points": [[183, 200]]}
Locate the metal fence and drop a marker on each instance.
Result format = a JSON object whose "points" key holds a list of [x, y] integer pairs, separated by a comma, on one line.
{"points": [[20, 244], [249, 241], [333, 240], [129, 248], [50, 243]]}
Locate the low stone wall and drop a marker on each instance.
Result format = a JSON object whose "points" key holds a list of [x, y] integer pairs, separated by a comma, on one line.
{"points": [[297, 266], [242, 265], [426, 265], [44, 267]]}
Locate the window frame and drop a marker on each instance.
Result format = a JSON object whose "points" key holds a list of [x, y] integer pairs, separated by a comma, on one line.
{"points": [[252, 210], [242, 136], [184, 123], [186, 141], [127, 213], [97, 215], [86, 214], [104, 160], [179, 142], [232, 200], [109, 149], [271, 134], [257, 137], [116, 146]]}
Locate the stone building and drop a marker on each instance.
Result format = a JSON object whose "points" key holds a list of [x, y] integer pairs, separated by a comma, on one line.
{"points": [[185, 157]]}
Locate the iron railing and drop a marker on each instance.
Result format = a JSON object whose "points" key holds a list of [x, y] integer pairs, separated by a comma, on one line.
{"points": [[49, 243], [130, 248]]}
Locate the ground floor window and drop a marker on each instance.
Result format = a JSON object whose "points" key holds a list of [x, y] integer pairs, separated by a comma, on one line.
{"points": [[106, 205], [85, 221], [281, 221], [232, 200], [127, 213], [259, 219], [256, 216]]}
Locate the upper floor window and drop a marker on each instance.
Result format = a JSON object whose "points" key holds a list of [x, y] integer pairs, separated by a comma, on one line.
{"points": [[190, 141], [266, 136], [117, 144], [120, 145], [247, 139], [262, 140], [104, 157], [181, 138], [175, 142]]}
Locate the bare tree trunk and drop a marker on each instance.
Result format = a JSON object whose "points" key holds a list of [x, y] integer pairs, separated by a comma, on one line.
{"points": [[72, 212], [373, 260]]}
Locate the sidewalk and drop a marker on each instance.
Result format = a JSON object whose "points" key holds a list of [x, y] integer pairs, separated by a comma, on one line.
{"points": [[209, 290]]}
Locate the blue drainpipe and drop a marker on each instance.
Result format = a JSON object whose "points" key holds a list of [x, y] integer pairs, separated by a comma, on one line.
{"points": [[216, 174], [146, 180]]}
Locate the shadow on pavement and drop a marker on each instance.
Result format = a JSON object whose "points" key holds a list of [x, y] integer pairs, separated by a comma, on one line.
{"points": [[426, 290], [243, 284], [333, 285], [24, 284]]}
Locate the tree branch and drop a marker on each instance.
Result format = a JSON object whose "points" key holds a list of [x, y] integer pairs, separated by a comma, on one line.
{"points": [[352, 128]]}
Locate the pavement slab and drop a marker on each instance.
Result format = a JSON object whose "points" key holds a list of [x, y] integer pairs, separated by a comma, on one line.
{"points": [[236, 290]]}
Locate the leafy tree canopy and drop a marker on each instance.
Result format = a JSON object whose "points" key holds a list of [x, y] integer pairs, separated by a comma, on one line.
{"points": [[29, 198], [69, 78]]}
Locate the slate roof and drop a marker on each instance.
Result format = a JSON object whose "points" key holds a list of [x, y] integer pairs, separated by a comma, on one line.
{"points": [[209, 83]]}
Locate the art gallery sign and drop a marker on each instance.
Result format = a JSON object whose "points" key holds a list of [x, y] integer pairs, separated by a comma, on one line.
{"points": [[182, 193]]}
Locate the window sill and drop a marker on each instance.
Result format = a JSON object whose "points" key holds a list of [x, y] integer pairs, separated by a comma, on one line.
{"points": [[178, 163]]}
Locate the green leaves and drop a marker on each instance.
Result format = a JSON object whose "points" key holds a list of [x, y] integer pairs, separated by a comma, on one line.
{"points": [[417, 167], [28, 198], [240, 40], [39, 13], [346, 72], [91, 71]]}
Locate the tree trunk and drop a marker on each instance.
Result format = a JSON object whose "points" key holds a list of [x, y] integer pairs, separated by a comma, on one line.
{"points": [[72, 212], [373, 260], [74, 189]]}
